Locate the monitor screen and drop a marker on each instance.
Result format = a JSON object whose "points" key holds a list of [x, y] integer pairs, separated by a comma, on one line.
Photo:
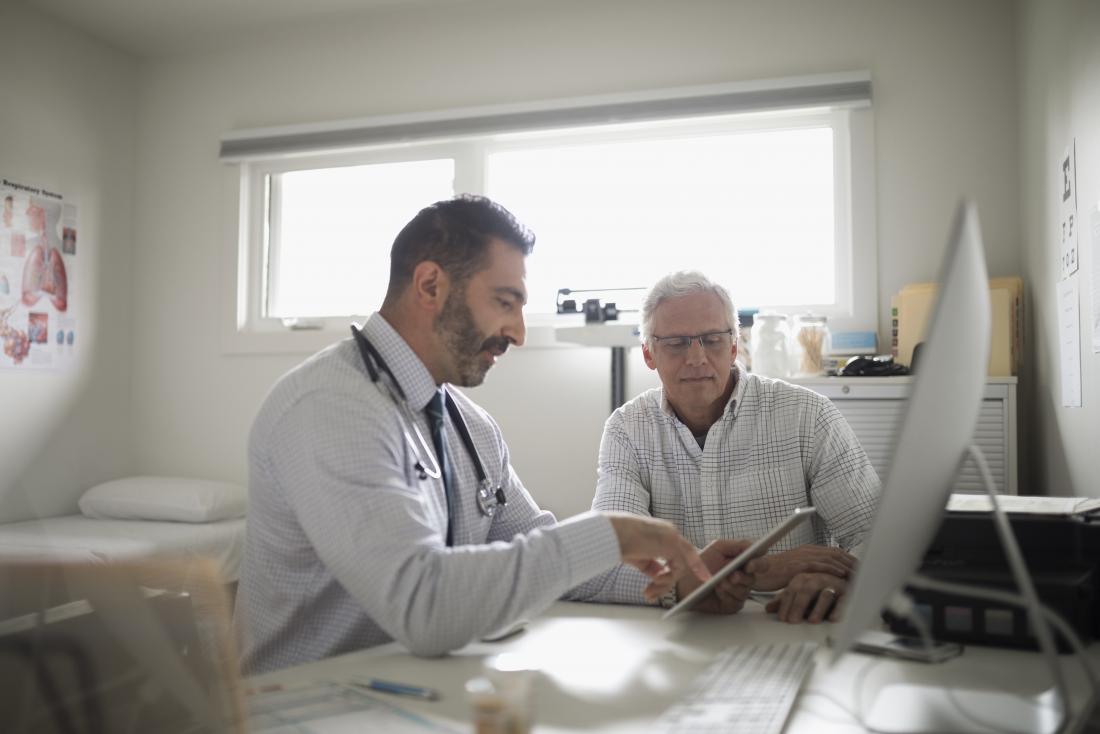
{"points": [[935, 434]]}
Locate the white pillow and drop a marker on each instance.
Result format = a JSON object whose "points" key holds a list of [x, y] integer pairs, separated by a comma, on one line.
{"points": [[164, 498]]}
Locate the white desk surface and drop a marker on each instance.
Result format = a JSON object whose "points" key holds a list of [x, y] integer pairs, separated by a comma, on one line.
{"points": [[612, 668]]}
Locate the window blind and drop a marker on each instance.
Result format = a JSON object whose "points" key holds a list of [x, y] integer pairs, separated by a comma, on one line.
{"points": [[824, 90]]}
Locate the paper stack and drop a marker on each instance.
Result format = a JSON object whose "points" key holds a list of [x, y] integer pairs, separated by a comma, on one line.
{"points": [[911, 309]]}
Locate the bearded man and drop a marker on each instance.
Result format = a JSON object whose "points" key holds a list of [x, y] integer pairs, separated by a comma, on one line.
{"points": [[382, 502]]}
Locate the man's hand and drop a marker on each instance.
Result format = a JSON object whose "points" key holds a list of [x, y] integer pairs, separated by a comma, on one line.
{"points": [[809, 597], [655, 548], [783, 567], [729, 595]]}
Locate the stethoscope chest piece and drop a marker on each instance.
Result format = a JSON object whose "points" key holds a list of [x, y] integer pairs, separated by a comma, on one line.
{"points": [[488, 499]]}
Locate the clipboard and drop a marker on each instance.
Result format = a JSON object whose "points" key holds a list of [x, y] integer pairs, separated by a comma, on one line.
{"points": [[758, 548]]}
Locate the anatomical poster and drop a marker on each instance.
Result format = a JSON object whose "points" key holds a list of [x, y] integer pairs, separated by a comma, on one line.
{"points": [[39, 243]]}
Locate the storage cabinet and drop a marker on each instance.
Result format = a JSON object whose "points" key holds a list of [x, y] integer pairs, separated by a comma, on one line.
{"points": [[873, 406]]}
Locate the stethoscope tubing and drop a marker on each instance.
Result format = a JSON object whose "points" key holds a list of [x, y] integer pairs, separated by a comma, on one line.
{"points": [[376, 367]]}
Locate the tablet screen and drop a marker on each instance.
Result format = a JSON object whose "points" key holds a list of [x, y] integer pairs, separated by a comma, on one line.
{"points": [[759, 548]]}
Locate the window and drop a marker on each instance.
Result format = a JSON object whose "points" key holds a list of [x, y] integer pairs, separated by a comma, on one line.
{"points": [[765, 202], [740, 200], [329, 231]]}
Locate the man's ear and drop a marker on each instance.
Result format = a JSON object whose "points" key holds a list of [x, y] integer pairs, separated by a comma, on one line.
{"points": [[647, 355], [430, 285]]}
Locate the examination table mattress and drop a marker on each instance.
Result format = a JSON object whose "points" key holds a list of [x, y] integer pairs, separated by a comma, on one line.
{"points": [[76, 538]]}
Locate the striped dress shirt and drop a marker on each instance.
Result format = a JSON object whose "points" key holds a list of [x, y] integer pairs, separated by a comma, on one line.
{"points": [[776, 447]]}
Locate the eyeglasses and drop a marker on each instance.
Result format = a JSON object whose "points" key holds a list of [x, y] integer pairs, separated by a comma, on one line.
{"points": [[712, 341]]}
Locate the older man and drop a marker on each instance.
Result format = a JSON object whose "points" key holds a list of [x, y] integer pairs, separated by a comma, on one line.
{"points": [[726, 454]]}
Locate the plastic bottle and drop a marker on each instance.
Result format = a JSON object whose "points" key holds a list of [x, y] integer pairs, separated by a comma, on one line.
{"points": [[770, 354]]}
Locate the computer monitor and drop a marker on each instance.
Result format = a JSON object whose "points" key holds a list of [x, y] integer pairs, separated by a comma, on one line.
{"points": [[935, 432], [935, 437]]}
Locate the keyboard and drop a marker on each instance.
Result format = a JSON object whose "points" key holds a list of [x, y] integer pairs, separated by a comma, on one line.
{"points": [[747, 688]]}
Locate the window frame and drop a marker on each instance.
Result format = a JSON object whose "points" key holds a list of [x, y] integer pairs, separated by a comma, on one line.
{"points": [[844, 313], [251, 330], [247, 330]]}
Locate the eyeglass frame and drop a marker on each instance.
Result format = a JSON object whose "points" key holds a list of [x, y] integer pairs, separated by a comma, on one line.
{"points": [[691, 338]]}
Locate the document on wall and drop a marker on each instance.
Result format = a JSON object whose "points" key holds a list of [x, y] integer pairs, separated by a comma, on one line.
{"points": [[1069, 335], [1096, 280], [38, 325], [1069, 225]]}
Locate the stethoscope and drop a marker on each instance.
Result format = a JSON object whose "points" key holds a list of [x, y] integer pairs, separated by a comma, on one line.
{"points": [[489, 500]]}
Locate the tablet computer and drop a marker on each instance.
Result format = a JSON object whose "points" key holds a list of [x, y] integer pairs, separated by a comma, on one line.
{"points": [[759, 548]]}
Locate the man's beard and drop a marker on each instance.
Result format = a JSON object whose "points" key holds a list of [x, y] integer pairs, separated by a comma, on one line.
{"points": [[455, 325]]}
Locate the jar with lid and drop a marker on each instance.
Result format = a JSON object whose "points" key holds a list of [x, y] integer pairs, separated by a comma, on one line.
{"points": [[770, 355], [810, 344]]}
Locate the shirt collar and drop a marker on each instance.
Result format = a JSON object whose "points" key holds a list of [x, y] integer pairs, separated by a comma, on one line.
{"points": [[738, 392], [410, 372], [739, 385]]}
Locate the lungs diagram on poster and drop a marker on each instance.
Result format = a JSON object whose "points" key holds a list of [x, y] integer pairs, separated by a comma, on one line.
{"points": [[38, 247]]}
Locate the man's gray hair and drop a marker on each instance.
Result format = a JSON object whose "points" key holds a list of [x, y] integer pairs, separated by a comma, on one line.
{"points": [[685, 283]]}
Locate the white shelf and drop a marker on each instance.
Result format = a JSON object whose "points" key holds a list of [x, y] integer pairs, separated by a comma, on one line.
{"points": [[606, 334]]}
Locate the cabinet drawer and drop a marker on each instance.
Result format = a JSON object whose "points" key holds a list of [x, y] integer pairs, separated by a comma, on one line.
{"points": [[874, 410]]}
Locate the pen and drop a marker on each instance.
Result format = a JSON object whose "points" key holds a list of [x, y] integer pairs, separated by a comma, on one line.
{"points": [[399, 689]]}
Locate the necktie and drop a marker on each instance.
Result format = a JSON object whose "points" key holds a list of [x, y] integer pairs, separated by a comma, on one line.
{"points": [[439, 440]]}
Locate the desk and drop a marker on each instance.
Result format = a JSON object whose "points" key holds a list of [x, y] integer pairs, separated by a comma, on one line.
{"points": [[617, 668]]}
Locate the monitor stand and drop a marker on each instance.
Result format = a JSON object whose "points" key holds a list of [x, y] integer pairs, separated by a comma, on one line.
{"points": [[908, 707]]}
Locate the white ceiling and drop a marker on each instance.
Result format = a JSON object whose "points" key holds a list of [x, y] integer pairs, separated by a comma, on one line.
{"points": [[163, 27]]}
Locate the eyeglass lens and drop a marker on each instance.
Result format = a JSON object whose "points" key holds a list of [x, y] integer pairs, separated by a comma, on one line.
{"points": [[712, 341]]}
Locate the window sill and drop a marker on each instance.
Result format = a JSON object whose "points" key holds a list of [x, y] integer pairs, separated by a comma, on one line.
{"points": [[540, 335]]}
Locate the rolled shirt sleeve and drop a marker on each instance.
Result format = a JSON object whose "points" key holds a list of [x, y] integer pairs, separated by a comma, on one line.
{"points": [[619, 488]]}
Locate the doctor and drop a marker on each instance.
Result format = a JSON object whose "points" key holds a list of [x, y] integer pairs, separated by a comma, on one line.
{"points": [[383, 505]]}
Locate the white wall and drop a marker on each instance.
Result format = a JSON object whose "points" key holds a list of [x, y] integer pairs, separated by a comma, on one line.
{"points": [[945, 105], [67, 121], [1060, 101]]}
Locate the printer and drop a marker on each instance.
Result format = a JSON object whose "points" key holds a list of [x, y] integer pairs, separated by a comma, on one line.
{"points": [[1059, 538]]}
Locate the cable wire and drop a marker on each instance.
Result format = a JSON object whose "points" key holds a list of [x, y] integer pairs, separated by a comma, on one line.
{"points": [[1027, 587], [1006, 597]]}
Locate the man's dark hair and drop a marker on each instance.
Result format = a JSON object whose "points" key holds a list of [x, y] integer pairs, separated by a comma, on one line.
{"points": [[455, 234]]}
